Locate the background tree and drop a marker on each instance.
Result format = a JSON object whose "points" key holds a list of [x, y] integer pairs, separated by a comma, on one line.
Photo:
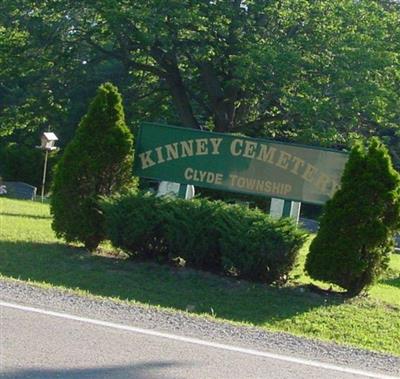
{"points": [[315, 72], [19, 162], [47, 78], [356, 233], [97, 162]]}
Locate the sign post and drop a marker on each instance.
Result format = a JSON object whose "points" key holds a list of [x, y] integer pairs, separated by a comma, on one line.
{"points": [[183, 191], [285, 208]]}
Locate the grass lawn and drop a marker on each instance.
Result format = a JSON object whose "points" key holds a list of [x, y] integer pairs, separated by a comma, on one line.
{"points": [[30, 251]]}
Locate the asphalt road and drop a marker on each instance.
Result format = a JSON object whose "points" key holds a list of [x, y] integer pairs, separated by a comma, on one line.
{"points": [[35, 345]]}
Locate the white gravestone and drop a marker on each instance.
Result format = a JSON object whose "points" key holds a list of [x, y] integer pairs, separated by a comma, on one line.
{"points": [[277, 209], [174, 190]]}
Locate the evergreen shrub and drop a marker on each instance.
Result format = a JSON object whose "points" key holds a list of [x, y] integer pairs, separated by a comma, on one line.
{"points": [[135, 223], [208, 235], [355, 239], [97, 162], [193, 232], [261, 249]]}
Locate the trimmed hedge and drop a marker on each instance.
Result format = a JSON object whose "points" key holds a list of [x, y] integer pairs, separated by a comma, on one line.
{"points": [[208, 235]]}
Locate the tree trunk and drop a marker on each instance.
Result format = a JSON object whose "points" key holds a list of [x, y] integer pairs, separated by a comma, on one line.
{"points": [[180, 99], [168, 62], [222, 104]]}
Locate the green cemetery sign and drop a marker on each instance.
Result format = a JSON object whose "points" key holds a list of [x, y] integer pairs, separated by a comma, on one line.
{"points": [[240, 164]]}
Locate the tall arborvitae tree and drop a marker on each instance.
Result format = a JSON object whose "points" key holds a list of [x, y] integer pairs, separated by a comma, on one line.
{"points": [[355, 239], [97, 162]]}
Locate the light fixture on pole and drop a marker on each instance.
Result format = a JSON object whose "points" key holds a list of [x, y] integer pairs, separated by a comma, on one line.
{"points": [[48, 140]]}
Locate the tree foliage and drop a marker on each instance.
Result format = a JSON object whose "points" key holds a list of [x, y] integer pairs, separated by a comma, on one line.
{"points": [[47, 76], [355, 239], [317, 71], [19, 162], [97, 162]]}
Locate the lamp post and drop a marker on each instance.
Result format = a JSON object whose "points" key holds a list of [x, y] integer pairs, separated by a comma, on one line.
{"points": [[48, 140]]}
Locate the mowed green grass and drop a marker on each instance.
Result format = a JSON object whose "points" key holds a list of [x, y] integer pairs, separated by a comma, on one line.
{"points": [[30, 251]]}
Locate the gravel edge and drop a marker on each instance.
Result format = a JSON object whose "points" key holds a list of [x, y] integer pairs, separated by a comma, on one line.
{"points": [[206, 328]]}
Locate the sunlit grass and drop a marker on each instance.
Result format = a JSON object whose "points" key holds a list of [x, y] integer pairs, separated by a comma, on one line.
{"points": [[29, 250]]}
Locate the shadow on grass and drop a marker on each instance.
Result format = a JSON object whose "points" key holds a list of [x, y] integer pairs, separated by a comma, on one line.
{"points": [[60, 265], [25, 216], [395, 282]]}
